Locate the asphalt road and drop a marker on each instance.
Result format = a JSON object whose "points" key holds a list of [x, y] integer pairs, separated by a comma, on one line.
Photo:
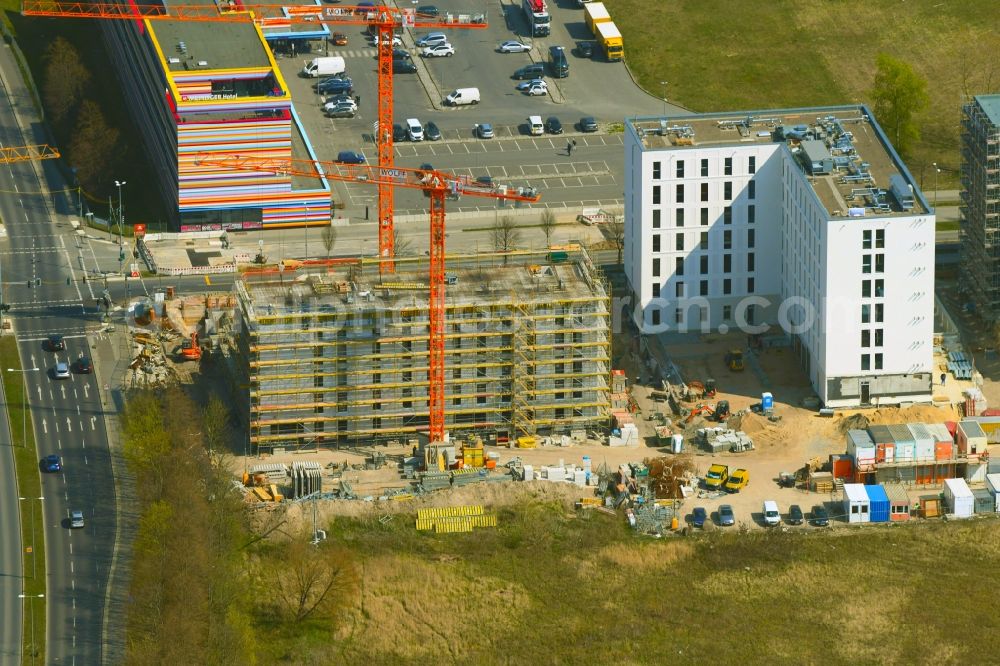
{"points": [[68, 416]]}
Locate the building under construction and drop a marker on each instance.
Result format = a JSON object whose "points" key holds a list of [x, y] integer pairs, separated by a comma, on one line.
{"points": [[338, 355], [981, 204]]}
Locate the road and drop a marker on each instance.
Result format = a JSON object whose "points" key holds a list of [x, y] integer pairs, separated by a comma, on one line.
{"points": [[39, 282]]}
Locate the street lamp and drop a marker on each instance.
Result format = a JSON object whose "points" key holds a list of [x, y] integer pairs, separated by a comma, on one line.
{"points": [[33, 554], [31, 607], [664, 84], [24, 403], [121, 221], [936, 172]]}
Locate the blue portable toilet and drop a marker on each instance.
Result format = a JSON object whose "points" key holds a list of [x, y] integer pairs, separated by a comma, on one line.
{"points": [[766, 401], [878, 500]]}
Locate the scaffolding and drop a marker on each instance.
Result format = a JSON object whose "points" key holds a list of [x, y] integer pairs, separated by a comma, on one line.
{"points": [[337, 357], [980, 203]]}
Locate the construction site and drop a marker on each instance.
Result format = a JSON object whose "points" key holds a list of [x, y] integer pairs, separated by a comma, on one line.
{"points": [[338, 355]]}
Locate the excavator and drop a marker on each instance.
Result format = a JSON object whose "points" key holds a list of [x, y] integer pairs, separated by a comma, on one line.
{"points": [[190, 350], [734, 360]]}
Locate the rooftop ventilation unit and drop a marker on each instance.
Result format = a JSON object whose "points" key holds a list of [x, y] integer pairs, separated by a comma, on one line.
{"points": [[901, 191], [174, 61]]}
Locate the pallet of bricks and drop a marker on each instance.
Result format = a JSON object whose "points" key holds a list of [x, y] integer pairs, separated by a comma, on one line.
{"points": [[448, 519]]}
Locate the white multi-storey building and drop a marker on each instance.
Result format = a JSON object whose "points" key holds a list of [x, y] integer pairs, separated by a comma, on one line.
{"points": [[803, 218]]}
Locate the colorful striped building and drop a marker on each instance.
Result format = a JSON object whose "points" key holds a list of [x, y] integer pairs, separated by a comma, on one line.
{"points": [[215, 87]]}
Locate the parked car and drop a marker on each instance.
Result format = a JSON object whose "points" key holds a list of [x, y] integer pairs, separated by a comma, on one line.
{"points": [[524, 85], [819, 516], [428, 10], [340, 111], [553, 126], [585, 49], [513, 46], [414, 130], [698, 517], [396, 40], [398, 132], [338, 39], [737, 481], [726, 516], [588, 124], [485, 181], [333, 86], [431, 132], [84, 366], [76, 519], [484, 131], [432, 39], [772, 517], [61, 371], [350, 157], [438, 51], [795, 516], [55, 342], [401, 54], [716, 476], [52, 464], [342, 98], [537, 89], [532, 71], [400, 66]]}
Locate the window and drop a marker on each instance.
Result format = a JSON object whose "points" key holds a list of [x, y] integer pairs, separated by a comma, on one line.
{"points": [[703, 244], [866, 240], [704, 168], [656, 218], [879, 337], [866, 262], [656, 317], [879, 288], [727, 215], [704, 217], [678, 316], [752, 164], [727, 312], [727, 239], [679, 217], [656, 194], [727, 168], [878, 313], [751, 237], [880, 238], [866, 288], [456, 373], [457, 402], [680, 242], [752, 189], [727, 286], [656, 170], [679, 198], [750, 285], [727, 190], [751, 214], [680, 168], [656, 268], [656, 242], [866, 338], [751, 261], [679, 290], [679, 266], [727, 263], [703, 288], [704, 191], [880, 263], [866, 314], [703, 265], [866, 362], [878, 361], [656, 290]]}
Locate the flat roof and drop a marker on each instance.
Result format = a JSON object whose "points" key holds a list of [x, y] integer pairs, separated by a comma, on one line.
{"points": [[863, 160], [223, 45], [300, 152], [991, 107]]}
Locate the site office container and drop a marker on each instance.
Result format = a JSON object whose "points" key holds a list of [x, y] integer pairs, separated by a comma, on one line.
{"points": [[983, 501], [878, 503], [990, 426], [958, 498], [883, 442], [975, 472], [904, 443], [842, 466], [857, 507], [900, 504], [970, 438], [861, 448], [923, 442], [993, 485], [944, 441]]}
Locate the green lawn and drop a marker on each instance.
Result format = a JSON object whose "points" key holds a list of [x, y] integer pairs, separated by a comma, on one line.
{"points": [[739, 55], [29, 485]]}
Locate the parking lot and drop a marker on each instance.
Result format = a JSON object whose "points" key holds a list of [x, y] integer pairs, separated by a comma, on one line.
{"points": [[588, 177]]}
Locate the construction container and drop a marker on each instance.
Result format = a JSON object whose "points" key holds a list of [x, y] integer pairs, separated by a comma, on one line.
{"points": [[900, 504], [970, 438], [906, 437], [766, 401], [857, 506], [990, 425], [861, 448], [983, 501], [842, 466], [958, 499], [975, 472], [952, 427], [993, 485], [930, 506], [878, 503]]}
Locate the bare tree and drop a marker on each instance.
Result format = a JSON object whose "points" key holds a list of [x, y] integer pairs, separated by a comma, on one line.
{"points": [[548, 224], [65, 80], [329, 239], [401, 247], [312, 580], [216, 418], [616, 233], [95, 144], [506, 235]]}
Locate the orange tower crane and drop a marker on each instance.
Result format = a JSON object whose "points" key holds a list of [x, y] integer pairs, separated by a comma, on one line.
{"points": [[384, 18], [26, 153], [437, 185]]}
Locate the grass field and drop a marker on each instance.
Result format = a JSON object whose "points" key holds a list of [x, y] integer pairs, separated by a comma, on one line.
{"points": [[734, 54], [552, 586]]}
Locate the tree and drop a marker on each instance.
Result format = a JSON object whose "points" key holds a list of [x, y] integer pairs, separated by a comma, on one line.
{"points": [[65, 80], [216, 418], [616, 233], [311, 581], [401, 247], [898, 94], [94, 146], [548, 224], [506, 235], [329, 238]]}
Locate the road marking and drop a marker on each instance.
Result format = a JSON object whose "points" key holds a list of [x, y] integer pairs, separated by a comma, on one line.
{"points": [[51, 396], [78, 406], [72, 582], [45, 427], [85, 461], [63, 391], [93, 423], [80, 423], [207, 281], [69, 425], [71, 552], [71, 567], [67, 337], [56, 423], [83, 444], [76, 395], [85, 394]]}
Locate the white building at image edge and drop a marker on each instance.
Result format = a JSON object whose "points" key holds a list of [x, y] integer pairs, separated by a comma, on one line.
{"points": [[803, 218]]}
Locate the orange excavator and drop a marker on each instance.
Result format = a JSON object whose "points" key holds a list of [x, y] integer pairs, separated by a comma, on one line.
{"points": [[190, 349]]}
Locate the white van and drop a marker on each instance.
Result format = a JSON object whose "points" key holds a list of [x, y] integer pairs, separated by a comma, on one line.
{"points": [[772, 516], [414, 129], [325, 66], [535, 126], [462, 96]]}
